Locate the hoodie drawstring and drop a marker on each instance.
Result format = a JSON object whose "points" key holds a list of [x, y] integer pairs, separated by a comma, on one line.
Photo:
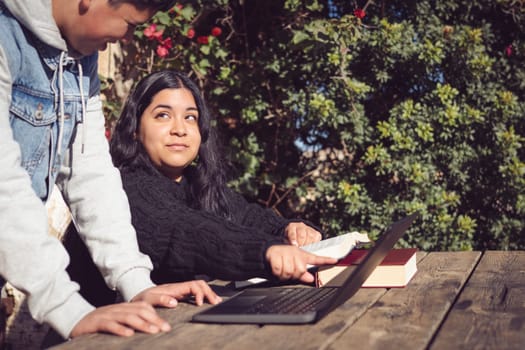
{"points": [[64, 60], [61, 101], [83, 103]]}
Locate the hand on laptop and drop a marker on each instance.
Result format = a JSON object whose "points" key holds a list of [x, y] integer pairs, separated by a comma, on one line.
{"points": [[290, 262], [300, 234], [167, 294]]}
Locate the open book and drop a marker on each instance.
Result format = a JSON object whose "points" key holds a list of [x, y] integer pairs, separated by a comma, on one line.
{"points": [[335, 247]]}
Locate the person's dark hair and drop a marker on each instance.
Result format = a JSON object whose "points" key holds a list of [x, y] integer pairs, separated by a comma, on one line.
{"points": [[207, 179]]}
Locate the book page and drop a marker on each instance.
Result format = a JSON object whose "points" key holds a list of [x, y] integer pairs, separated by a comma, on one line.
{"points": [[337, 247]]}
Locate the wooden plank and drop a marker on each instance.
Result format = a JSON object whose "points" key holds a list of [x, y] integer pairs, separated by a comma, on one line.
{"points": [[200, 336], [490, 312], [211, 336], [315, 336], [406, 318]]}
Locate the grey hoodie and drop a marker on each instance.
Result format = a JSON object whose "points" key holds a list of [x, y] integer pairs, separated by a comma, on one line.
{"points": [[32, 260]]}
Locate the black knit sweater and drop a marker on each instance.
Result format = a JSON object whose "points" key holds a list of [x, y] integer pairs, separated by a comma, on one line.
{"points": [[183, 242]]}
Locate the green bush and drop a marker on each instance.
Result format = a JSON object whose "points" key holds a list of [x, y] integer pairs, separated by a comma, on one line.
{"points": [[355, 118]]}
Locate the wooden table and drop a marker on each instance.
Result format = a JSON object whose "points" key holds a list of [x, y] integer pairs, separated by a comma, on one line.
{"points": [[457, 300]]}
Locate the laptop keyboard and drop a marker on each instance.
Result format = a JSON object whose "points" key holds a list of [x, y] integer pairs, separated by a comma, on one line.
{"points": [[293, 301]]}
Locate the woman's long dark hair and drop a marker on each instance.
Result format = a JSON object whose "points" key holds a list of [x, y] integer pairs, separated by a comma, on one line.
{"points": [[207, 178]]}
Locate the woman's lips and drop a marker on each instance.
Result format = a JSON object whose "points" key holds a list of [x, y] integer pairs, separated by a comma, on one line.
{"points": [[177, 146]]}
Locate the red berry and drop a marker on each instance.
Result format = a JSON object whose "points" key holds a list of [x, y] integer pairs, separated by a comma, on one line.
{"points": [[203, 40], [216, 31], [508, 50], [359, 13]]}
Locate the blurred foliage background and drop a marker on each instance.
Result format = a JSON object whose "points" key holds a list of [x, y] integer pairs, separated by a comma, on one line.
{"points": [[355, 113]]}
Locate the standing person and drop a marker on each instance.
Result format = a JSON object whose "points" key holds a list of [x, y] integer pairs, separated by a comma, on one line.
{"points": [[52, 131], [186, 219]]}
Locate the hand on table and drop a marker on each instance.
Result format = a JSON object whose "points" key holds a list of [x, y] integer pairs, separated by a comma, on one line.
{"points": [[121, 319], [124, 318]]}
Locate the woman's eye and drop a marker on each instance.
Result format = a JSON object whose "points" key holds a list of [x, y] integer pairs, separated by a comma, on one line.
{"points": [[162, 116], [191, 117]]}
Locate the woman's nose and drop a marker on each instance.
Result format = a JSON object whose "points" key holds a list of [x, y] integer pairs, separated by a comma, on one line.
{"points": [[178, 127]]}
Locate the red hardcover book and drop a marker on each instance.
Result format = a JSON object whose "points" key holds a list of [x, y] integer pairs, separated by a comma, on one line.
{"points": [[395, 271]]}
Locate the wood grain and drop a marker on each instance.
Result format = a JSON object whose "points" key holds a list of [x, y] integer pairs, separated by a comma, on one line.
{"points": [[457, 300], [406, 318], [490, 312]]}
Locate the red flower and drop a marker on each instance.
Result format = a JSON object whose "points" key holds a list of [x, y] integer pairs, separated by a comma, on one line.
{"points": [[108, 133], [164, 47], [167, 43], [191, 33], [216, 31], [203, 40], [359, 13], [151, 32], [148, 32], [158, 35], [508, 50], [162, 51]]}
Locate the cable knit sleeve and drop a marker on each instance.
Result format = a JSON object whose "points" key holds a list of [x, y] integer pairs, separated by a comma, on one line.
{"points": [[254, 215], [183, 242]]}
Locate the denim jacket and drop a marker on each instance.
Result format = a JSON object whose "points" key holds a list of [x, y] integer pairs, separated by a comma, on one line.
{"points": [[52, 132], [45, 105]]}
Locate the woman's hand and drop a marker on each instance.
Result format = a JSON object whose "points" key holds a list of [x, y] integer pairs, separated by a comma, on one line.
{"points": [[290, 262], [300, 234]]}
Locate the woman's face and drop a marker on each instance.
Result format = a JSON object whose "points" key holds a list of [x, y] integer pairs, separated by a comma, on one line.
{"points": [[169, 131]]}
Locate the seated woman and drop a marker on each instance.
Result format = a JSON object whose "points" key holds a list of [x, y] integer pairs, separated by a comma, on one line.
{"points": [[187, 220]]}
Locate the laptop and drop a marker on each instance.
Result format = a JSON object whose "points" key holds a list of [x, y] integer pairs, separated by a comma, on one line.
{"points": [[292, 305]]}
